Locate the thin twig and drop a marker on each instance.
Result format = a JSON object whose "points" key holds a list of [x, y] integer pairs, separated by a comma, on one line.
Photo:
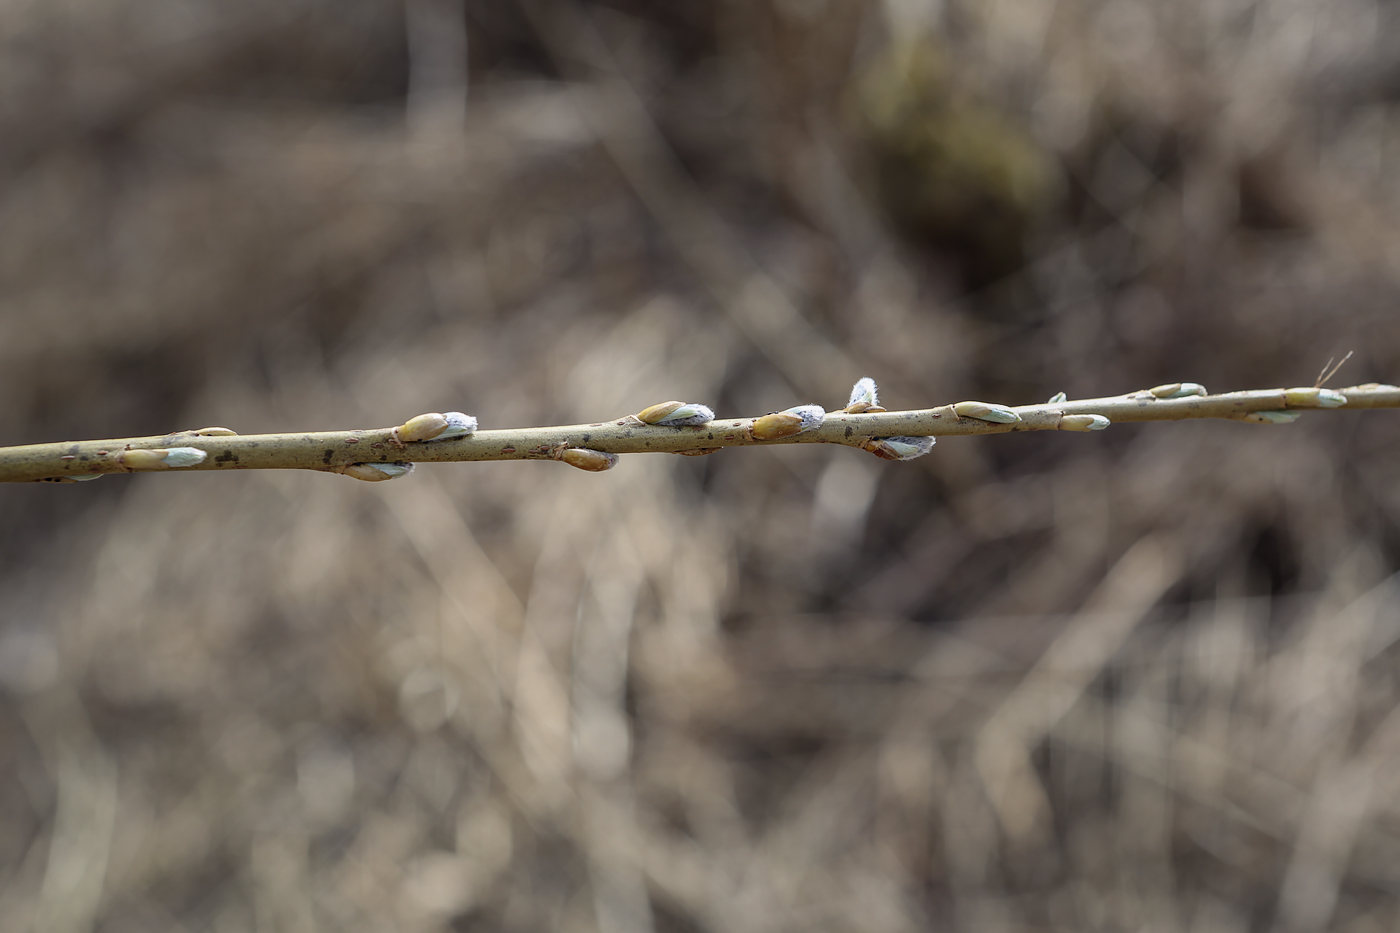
{"points": [[1329, 370], [342, 451]]}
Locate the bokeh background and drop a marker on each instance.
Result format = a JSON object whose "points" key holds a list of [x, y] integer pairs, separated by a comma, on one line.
{"points": [[1138, 680]]}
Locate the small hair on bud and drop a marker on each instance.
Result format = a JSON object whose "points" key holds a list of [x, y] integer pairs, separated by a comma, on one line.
{"points": [[898, 448], [1272, 417], [677, 414], [1057, 398], [84, 477], [1314, 398], [458, 425], [594, 461], [812, 416], [216, 432], [1084, 423], [864, 397], [787, 423], [986, 411], [161, 458], [422, 427], [374, 472]]}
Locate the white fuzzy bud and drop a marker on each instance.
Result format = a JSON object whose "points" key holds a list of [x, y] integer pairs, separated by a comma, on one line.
{"points": [[176, 457], [160, 458], [986, 411], [1272, 417], [1084, 423], [676, 414], [375, 472], [787, 423], [898, 448], [687, 415], [864, 397], [1314, 398], [1177, 390], [812, 416], [458, 425]]}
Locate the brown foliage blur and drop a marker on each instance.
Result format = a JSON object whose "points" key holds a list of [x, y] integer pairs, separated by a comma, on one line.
{"points": [[1143, 680]]}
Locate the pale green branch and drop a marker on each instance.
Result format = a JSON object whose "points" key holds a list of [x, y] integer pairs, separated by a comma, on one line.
{"points": [[341, 451]]}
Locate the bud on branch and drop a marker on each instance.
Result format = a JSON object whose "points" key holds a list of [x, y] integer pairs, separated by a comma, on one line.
{"points": [[669, 427]]}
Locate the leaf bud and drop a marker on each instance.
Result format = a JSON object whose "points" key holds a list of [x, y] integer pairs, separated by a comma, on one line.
{"points": [[676, 414], [594, 461], [161, 458], [1314, 398], [864, 397], [1084, 423], [1272, 417], [898, 448], [986, 411], [787, 423], [458, 425], [1177, 390], [654, 413], [375, 472], [422, 427], [176, 457]]}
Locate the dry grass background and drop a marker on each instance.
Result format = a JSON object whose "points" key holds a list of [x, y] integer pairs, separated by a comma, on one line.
{"points": [[1144, 680]]}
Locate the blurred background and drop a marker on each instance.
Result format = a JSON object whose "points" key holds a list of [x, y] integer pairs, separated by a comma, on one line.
{"points": [[1142, 680]]}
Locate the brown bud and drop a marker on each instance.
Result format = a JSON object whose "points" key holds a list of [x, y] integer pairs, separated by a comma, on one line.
{"points": [[779, 424], [423, 427], [654, 413], [594, 461], [142, 459]]}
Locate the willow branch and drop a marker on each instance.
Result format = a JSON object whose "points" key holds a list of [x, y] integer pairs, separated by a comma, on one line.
{"points": [[342, 451]]}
